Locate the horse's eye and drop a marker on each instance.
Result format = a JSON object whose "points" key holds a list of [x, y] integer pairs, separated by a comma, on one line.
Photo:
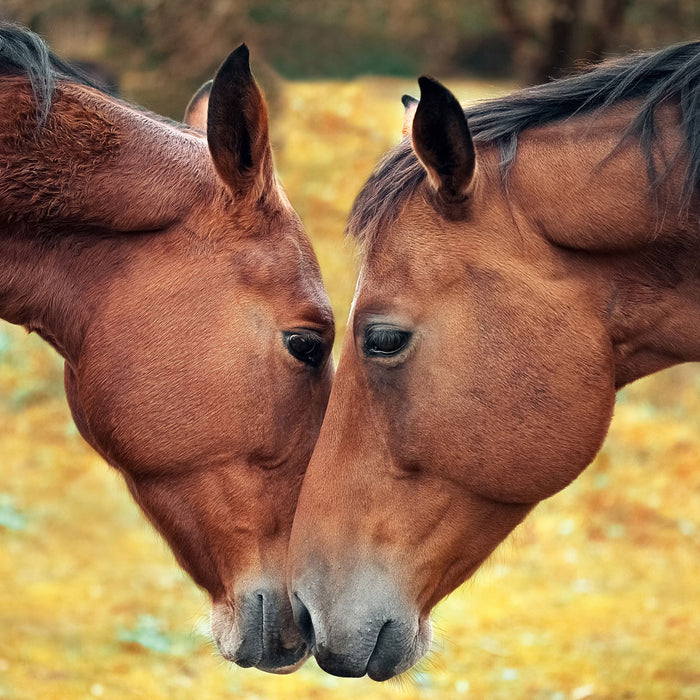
{"points": [[383, 341], [306, 346]]}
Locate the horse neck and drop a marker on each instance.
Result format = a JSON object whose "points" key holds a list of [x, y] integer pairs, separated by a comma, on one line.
{"points": [[52, 286], [635, 250], [75, 197]]}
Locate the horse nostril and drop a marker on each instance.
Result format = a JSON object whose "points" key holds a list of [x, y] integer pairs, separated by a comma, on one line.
{"points": [[302, 618], [251, 647]]}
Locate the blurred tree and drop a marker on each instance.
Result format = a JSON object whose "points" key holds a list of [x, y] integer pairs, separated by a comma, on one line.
{"points": [[164, 49], [549, 46], [551, 38]]}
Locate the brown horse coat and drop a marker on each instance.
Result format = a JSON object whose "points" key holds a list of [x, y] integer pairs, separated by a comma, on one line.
{"points": [[173, 276], [517, 269]]}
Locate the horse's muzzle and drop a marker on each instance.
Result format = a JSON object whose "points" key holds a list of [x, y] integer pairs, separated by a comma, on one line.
{"points": [[258, 631], [371, 633]]}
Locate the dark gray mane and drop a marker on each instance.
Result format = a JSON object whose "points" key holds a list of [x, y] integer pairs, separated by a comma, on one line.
{"points": [[672, 73], [24, 53]]}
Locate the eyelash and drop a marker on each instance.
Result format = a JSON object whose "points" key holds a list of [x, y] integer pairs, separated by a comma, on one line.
{"points": [[382, 341], [305, 346]]}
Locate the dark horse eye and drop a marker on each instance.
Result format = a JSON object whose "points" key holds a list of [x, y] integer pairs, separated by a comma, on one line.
{"points": [[381, 341], [306, 346]]}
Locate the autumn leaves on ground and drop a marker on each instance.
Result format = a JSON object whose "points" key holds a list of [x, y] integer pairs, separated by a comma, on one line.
{"points": [[596, 596]]}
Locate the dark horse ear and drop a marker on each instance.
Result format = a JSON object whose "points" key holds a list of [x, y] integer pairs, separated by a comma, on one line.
{"points": [[198, 108], [442, 141], [237, 128], [409, 109]]}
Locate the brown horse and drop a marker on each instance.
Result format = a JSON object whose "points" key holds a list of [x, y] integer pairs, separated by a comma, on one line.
{"points": [[172, 274], [515, 273]]}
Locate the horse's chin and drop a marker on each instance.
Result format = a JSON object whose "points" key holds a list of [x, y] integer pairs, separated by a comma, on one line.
{"points": [[284, 670]]}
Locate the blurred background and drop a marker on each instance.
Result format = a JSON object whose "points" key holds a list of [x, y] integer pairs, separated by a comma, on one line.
{"points": [[595, 596]]}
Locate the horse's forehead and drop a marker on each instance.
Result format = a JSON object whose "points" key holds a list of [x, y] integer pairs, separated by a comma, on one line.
{"points": [[279, 264], [410, 256]]}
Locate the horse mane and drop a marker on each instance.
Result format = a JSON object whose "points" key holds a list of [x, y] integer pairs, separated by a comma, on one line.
{"points": [[22, 52], [57, 138], [672, 73]]}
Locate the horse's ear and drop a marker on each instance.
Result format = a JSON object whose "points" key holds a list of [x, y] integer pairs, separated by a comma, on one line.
{"points": [[409, 103], [237, 129], [442, 141], [198, 108]]}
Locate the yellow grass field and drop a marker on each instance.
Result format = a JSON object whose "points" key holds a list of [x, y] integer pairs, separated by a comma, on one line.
{"points": [[595, 596]]}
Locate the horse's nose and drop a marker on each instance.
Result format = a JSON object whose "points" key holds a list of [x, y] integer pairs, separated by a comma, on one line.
{"points": [[331, 654], [259, 631], [399, 645], [302, 619], [370, 633]]}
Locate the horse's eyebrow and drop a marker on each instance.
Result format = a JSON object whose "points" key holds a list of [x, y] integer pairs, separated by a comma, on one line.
{"points": [[318, 313]]}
